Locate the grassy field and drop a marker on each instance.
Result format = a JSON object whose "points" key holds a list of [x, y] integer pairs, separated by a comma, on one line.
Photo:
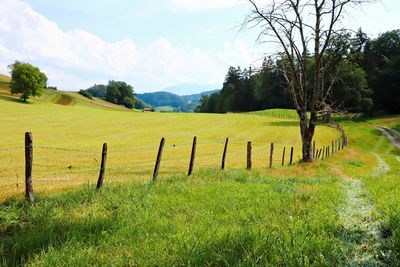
{"points": [[71, 133], [343, 211], [165, 109]]}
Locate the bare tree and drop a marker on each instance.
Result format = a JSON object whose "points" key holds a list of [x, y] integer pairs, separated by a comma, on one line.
{"points": [[303, 29]]}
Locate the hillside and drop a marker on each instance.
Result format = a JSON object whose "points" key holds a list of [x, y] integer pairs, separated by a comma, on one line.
{"points": [[188, 88], [340, 210], [57, 97], [171, 102], [165, 99], [197, 97], [4, 78]]}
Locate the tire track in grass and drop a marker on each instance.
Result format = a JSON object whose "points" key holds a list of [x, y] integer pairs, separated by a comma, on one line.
{"points": [[392, 139], [361, 221]]}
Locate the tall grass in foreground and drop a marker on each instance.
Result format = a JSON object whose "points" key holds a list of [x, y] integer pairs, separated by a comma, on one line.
{"points": [[213, 218]]}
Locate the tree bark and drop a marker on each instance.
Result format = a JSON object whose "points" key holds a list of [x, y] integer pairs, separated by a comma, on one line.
{"points": [[307, 134]]}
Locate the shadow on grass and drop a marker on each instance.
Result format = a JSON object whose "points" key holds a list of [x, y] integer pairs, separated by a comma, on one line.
{"points": [[13, 99]]}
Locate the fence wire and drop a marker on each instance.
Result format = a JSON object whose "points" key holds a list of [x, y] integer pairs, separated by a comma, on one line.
{"points": [[57, 164]]}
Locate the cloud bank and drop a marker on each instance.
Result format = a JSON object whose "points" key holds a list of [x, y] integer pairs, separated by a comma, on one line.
{"points": [[77, 59]]}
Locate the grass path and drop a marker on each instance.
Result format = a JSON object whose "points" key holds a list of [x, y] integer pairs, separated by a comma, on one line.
{"points": [[361, 221]]}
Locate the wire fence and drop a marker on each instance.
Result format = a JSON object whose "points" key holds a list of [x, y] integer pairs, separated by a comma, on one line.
{"points": [[52, 165]]}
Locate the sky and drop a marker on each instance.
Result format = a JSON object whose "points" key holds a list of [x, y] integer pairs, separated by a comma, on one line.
{"points": [[150, 44]]}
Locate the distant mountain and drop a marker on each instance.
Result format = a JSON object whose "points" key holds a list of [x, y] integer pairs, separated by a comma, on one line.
{"points": [[197, 97], [163, 100], [166, 100], [189, 88]]}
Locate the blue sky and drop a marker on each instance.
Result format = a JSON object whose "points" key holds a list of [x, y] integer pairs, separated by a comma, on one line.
{"points": [[151, 44]]}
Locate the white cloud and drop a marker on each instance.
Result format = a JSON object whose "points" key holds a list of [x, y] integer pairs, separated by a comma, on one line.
{"points": [[77, 58], [203, 4]]}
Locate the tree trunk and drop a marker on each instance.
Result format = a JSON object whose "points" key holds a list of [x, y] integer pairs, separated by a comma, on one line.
{"points": [[307, 134]]}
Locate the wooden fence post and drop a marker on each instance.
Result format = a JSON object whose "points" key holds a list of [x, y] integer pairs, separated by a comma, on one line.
{"points": [[291, 156], [313, 149], [271, 155], [192, 156], [283, 156], [343, 141], [249, 155], [339, 146], [158, 160], [224, 154], [102, 167], [333, 148], [323, 152], [28, 168]]}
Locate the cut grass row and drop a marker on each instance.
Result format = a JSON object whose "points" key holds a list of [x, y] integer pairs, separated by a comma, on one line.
{"points": [[133, 139]]}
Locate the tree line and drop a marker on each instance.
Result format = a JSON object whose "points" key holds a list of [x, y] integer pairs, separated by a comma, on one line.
{"points": [[364, 77]]}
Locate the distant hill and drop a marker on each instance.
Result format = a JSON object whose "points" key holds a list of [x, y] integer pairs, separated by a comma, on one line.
{"points": [[197, 97], [190, 88], [174, 102], [165, 99]]}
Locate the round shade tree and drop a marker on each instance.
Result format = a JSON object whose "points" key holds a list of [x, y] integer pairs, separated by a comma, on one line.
{"points": [[26, 80]]}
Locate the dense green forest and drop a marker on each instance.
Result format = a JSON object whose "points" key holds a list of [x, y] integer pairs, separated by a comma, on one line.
{"points": [[159, 99], [364, 77]]}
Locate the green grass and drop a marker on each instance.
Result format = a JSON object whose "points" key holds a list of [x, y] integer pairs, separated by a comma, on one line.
{"points": [[132, 139], [385, 188], [214, 218], [285, 216], [277, 113], [164, 109]]}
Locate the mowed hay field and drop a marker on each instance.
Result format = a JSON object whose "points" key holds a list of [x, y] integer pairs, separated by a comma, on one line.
{"points": [[68, 140], [336, 212]]}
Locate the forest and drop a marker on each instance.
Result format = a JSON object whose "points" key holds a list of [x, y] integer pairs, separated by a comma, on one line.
{"points": [[364, 77]]}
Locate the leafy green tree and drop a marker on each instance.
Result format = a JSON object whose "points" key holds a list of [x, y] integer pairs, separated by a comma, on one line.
{"points": [[381, 62], [98, 90], [120, 93], [350, 89], [26, 80]]}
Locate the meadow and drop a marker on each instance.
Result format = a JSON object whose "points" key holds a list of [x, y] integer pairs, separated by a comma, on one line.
{"points": [[68, 139], [300, 215]]}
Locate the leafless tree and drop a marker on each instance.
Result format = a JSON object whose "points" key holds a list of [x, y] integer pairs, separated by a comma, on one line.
{"points": [[303, 29]]}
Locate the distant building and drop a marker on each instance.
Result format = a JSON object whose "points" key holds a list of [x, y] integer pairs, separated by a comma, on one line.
{"points": [[146, 109]]}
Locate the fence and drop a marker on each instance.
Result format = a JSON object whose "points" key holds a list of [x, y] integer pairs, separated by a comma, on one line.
{"points": [[50, 164]]}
